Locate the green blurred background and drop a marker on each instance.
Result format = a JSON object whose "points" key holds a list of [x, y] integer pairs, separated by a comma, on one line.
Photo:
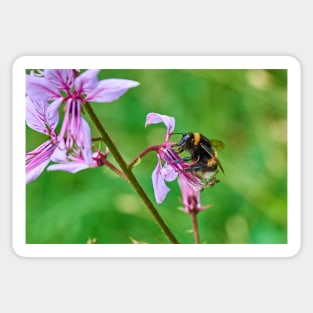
{"points": [[246, 109]]}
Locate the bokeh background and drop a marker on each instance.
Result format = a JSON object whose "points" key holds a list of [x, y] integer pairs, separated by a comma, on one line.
{"points": [[246, 109]]}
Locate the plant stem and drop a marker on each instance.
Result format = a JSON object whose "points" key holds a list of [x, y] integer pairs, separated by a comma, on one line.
{"points": [[129, 174], [114, 169], [142, 154], [96, 139], [195, 225]]}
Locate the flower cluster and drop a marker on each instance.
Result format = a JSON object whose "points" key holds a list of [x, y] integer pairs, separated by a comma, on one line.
{"points": [[70, 148]]}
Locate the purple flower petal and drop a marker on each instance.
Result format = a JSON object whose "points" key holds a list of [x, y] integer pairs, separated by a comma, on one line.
{"points": [[33, 173], [101, 91], [188, 191], [61, 79], [72, 163], [108, 90], [41, 116], [155, 118], [38, 159], [85, 142], [59, 154], [40, 88], [159, 186], [72, 166], [53, 113], [86, 82], [169, 173]]}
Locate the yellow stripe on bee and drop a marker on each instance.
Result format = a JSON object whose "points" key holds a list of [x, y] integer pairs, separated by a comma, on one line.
{"points": [[196, 137], [211, 162]]}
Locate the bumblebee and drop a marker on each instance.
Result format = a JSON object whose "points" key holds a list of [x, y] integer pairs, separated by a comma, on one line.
{"points": [[202, 152]]}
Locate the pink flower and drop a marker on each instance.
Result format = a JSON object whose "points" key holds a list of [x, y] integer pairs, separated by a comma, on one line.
{"points": [[173, 166], [67, 87], [191, 197], [72, 147]]}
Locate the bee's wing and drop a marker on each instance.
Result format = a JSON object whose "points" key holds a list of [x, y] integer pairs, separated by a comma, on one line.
{"points": [[213, 153], [217, 144], [219, 164]]}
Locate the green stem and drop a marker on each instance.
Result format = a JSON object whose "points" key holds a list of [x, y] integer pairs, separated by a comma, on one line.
{"points": [[129, 174]]}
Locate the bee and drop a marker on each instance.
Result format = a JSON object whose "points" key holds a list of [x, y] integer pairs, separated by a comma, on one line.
{"points": [[202, 152]]}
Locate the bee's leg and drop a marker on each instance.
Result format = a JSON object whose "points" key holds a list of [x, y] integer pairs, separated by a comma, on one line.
{"points": [[195, 166], [179, 149], [186, 159]]}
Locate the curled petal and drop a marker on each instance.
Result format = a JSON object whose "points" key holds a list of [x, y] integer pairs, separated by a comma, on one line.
{"points": [[169, 122], [159, 186], [108, 90]]}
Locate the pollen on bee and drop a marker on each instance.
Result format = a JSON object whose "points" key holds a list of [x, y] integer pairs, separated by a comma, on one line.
{"points": [[211, 162]]}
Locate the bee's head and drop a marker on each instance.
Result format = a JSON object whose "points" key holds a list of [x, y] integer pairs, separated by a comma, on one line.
{"points": [[185, 141]]}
